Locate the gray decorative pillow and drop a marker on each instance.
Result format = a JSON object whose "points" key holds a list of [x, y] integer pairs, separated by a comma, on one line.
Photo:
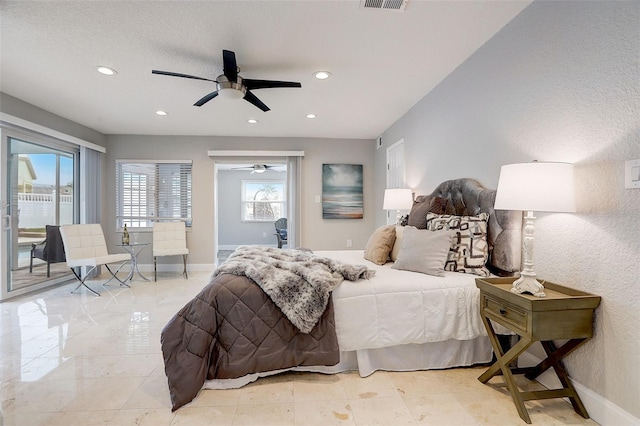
{"points": [[427, 204], [380, 244], [423, 251], [469, 250], [418, 213]]}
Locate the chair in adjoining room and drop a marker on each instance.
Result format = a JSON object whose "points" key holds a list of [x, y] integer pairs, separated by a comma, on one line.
{"points": [[85, 245], [281, 231], [169, 239], [51, 250]]}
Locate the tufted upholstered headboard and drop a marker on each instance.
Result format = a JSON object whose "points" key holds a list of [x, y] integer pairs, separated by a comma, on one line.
{"points": [[468, 197]]}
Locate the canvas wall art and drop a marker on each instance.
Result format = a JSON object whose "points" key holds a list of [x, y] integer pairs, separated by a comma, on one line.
{"points": [[342, 191]]}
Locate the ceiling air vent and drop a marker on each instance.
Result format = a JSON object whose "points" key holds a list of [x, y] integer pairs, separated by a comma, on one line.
{"points": [[383, 4]]}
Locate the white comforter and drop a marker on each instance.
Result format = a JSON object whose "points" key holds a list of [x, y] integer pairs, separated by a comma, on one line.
{"points": [[399, 307]]}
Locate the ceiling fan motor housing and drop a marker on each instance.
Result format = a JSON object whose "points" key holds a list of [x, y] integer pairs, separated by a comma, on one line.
{"points": [[223, 84]]}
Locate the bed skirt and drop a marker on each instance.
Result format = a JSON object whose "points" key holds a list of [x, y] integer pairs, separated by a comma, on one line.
{"points": [[427, 356]]}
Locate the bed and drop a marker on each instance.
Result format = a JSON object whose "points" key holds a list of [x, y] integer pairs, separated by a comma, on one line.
{"points": [[367, 313]]}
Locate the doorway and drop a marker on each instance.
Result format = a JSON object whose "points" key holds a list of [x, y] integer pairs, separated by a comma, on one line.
{"points": [[252, 196], [290, 165], [40, 189]]}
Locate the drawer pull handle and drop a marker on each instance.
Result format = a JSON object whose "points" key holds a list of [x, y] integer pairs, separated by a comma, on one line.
{"points": [[503, 312]]}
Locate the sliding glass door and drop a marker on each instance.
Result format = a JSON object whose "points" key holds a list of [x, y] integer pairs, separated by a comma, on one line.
{"points": [[40, 191]]}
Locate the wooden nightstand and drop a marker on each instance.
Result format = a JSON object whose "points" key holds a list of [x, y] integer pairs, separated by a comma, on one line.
{"points": [[564, 314]]}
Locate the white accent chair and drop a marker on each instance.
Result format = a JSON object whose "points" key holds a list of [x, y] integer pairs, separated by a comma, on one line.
{"points": [[169, 239], [84, 245]]}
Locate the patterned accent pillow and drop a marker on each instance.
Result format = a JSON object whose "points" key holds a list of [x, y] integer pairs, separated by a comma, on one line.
{"points": [[469, 249]]}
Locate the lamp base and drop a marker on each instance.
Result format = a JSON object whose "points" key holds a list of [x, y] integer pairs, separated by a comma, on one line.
{"points": [[528, 284]]}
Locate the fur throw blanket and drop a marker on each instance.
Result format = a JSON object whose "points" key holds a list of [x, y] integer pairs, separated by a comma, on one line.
{"points": [[298, 281]]}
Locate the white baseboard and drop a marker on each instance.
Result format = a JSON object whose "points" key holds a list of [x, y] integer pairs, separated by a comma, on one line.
{"points": [[227, 246], [600, 409], [176, 267], [235, 246]]}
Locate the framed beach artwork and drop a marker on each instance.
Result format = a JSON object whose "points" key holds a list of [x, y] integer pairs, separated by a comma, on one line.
{"points": [[342, 191]]}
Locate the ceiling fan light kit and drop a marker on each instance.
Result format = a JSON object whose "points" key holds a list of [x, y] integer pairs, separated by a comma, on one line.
{"points": [[256, 168], [231, 85]]}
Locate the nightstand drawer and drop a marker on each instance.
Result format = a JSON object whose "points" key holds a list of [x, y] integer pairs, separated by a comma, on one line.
{"points": [[501, 311]]}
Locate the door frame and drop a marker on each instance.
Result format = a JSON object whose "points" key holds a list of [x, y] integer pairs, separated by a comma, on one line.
{"points": [[243, 156], [393, 176], [11, 131]]}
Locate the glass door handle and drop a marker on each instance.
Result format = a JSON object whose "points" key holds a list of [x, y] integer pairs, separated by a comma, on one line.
{"points": [[6, 219]]}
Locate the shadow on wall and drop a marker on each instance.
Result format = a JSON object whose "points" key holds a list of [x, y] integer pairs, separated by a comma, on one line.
{"points": [[600, 185]]}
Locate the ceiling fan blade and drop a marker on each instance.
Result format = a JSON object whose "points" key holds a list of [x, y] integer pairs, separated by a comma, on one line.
{"points": [[251, 98], [268, 84], [206, 99], [230, 65], [175, 74]]}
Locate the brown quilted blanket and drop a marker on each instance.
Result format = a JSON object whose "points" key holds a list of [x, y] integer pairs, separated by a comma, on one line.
{"points": [[231, 329]]}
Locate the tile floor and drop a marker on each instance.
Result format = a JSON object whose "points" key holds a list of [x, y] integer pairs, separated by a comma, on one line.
{"points": [[77, 359]]}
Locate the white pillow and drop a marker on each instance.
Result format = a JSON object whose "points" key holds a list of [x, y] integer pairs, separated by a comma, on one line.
{"points": [[424, 251], [397, 243]]}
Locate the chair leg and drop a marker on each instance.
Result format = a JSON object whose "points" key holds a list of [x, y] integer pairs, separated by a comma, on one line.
{"points": [[82, 283], [113, 275], [155, 268], [184, 260]]}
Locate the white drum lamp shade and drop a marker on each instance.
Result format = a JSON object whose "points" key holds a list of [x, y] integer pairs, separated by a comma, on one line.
{"points": [[397, 199], [543, 187]]}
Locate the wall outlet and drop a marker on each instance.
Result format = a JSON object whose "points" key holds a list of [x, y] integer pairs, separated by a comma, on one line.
{"points": [[349, 243], [264, 235]]}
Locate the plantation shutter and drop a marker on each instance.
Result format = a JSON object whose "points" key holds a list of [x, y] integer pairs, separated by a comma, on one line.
{"points": [[152, 191]]}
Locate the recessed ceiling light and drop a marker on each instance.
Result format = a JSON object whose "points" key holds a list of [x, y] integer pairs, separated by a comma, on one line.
{"points": [[160, 112], [322, 75], [311, 116], [106, 70], [252, 121]]}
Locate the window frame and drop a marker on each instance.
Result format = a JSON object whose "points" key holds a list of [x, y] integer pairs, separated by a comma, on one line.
{"points": [[151, 192], [244, 202]]}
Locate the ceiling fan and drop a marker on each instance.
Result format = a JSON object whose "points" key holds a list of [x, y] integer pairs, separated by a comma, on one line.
{"points": [[232, 84], [256, 168]]}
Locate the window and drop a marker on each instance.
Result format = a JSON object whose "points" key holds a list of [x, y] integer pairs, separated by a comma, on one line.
{"points": [[263, 201], [152, 191]]}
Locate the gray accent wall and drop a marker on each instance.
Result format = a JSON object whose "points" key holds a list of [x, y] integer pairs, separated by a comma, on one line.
{"points": [[561, 82], [317, 233]]}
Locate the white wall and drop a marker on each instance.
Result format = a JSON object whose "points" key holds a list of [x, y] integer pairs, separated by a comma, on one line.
{"points": [[232, 231], [317, 233], [561, 82]]}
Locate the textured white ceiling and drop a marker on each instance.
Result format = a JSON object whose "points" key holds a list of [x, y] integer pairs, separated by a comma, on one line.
{"points": [[382, 62]]}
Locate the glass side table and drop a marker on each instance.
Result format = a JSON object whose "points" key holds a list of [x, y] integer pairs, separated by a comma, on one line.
{"points": [[134, 250]]}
